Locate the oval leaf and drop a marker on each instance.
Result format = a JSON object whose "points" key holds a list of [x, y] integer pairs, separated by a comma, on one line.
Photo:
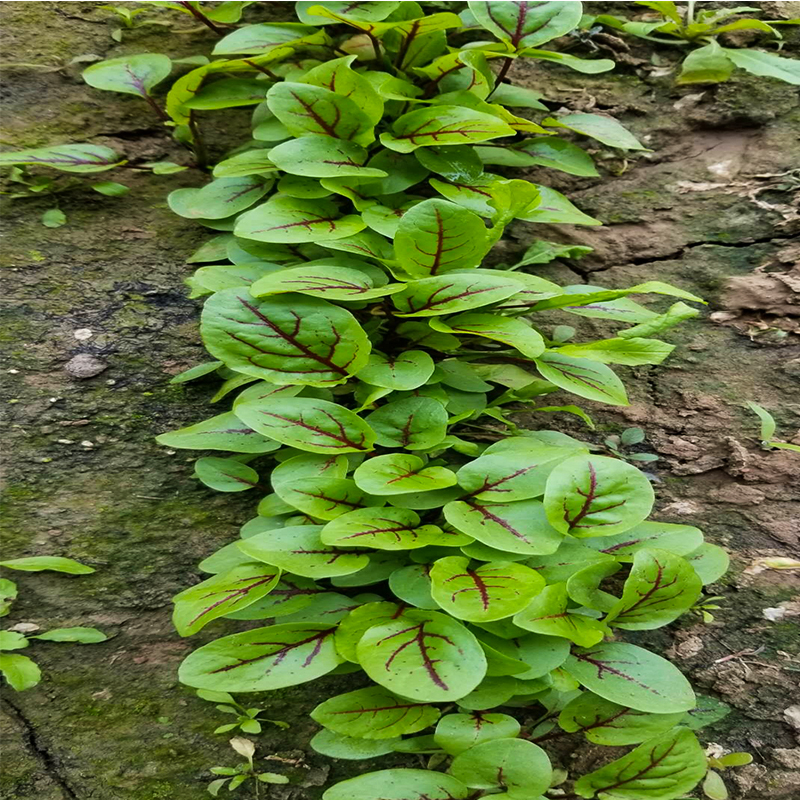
{"points": [[298, 549], [423, 656], [262, 659], [513, 765], [596, 496], [286, 340], [399, 784], [197, 606], [632, 677], [491, 591], [374, 713]]}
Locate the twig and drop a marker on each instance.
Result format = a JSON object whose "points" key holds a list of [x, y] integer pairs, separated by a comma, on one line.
{"points": [[201, 17], [501, 75]]}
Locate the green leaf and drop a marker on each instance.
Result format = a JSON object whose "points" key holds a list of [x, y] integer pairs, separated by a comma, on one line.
{"points": [[456, 733], [81, 635], [10, 640], [507, 330], [541, 252], [136, 74], [767, 65], [399, 784], [319, 156], [605, 129], [491, 591], [660, 588], [307, 465], [262, 659], [333, 283], [549, 151], [412, 585], [325, 497], [629, 351], [596, 496], [54, 218], [632, 677], [20, 672], [662, 768], [338, 76], [414, 423], [360, 620], [251, 162], [228, 93], [443, 125], [223, 432], [677, 539], [406, 370], [299, 549], [518, 527], [290, 595], [518, 766], [768, 426], [714, 787], [110, 188], [266, 39], [372, 12], [606, 723], [386, 529], [436, 236], [423, 656], [548, 614], [707, 64], [554, 208], [54, 563], [315, 426], [540, 654], [710, 562], [290, 219], [8, 593], [225, 474], [219, 199], [456, 162], [526, 24], [305, 109], [582, 376], [515, 475], [707, 711], [65, 157], [374, 713], [454, 292], [231, 591], [401, 473], [284, 339], [335, 745], [588, 66]]}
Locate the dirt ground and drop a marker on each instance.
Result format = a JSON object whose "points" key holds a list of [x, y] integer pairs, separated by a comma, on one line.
{"points": [[711, 208]]}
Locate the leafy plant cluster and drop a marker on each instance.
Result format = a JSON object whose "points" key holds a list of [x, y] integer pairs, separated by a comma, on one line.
{"points": [[710, 62], [352, 305], [21, 672]]}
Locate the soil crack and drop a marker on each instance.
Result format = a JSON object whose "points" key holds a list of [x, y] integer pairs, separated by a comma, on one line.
{"points": [[38, 750]]}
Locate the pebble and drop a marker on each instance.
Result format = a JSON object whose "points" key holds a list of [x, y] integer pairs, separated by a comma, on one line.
{"points": [[85, 366]]}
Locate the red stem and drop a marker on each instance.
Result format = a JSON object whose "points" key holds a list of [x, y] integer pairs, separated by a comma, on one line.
{"points": [[199, 15]]}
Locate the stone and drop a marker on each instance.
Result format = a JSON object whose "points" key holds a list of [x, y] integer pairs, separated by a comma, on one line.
{"points": [[85, 365]]}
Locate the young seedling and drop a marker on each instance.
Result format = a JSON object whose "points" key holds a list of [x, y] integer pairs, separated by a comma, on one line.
{"points": [[710, 62], [628, 438], [247, 719], [768, 428], [21, 672], [236, 776]]}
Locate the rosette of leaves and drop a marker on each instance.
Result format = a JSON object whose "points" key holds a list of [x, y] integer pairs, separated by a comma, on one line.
{"points": [[373, 351]]}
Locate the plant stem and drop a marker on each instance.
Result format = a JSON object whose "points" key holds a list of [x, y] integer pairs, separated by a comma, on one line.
{"points": [[162, 115], [200, 151], [199, 15], [502, 74], [269, 73]]}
